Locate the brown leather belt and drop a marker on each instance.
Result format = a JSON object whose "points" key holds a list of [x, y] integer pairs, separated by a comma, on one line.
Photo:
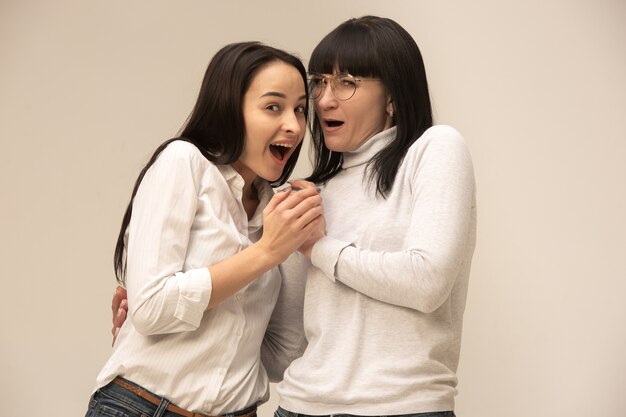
{"points": [[148, 396]]}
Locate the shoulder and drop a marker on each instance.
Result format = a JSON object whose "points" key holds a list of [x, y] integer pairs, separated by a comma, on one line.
{"points": [[438, 139], [439, 146], [183, 159], [183, 153], [442, 134], [181, 150]]}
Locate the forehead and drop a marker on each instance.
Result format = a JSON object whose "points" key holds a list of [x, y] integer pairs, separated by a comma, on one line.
{"points": [[277, 76]]}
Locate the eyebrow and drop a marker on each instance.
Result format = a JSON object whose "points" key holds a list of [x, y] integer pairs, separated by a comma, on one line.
{"points": [[281, 95]]}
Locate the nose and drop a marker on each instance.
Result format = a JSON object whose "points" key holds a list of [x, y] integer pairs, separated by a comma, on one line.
{"points": [[293, 124], [326, 99]]}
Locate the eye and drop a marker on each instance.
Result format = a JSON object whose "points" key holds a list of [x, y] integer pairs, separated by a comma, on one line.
{"points": [[273, 107], [347, 82], [315, 82], [300, 109]]}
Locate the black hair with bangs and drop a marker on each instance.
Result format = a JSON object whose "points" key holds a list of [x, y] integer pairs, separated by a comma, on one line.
{"points": [[346, 49], [372, 46]]}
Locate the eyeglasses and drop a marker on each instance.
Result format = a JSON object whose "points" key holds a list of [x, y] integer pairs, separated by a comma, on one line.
{"points": [[342, 85]]}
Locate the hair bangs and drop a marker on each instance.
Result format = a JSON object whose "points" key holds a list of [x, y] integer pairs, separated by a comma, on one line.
{"points": [[348, 49]]}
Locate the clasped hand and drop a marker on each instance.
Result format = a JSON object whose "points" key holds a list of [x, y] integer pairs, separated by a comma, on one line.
{"points": [[293, 220]]}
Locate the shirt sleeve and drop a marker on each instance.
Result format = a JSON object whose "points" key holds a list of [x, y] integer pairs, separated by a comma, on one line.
{"points": [[284, 339], [162, 297], [420, 276]]}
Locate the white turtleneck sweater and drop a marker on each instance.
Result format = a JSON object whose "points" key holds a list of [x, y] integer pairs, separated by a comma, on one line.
{"points": [[386, 290]]}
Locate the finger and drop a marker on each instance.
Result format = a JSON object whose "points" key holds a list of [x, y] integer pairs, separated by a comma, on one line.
{"points": [[120, 318], [310, 216], [318, 225], [302, 184], [297, 197], [115, 333], [118, 296], [278, 198], [306, 205], [313, 232]]}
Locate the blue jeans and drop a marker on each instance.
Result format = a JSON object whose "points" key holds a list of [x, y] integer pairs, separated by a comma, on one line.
{"points": [[284, 413], [113, 400]]}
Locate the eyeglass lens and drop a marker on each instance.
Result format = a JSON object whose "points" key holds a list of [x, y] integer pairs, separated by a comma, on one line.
{"points": [[342, 86]]}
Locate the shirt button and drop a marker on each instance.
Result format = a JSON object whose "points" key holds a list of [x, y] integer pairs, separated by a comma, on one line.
{"points": [[238, 297]]}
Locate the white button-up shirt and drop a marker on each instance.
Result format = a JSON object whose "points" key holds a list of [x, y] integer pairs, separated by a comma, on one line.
{"points": [[188, 215]]}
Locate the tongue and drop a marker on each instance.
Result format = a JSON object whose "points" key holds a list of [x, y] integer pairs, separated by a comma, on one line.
{"points": [[276, 152]]}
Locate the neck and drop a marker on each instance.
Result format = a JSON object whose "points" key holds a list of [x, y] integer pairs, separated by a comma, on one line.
{"points": [[250, 199], [247, 175], [249, 194], [249, 191]]}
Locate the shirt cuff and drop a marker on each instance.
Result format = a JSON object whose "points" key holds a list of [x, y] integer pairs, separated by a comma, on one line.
{"points": [[195, 287], [325, 255]]}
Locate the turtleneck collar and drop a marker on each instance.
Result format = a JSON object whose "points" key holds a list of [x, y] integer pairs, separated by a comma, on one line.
{"points": [[364, 153]]}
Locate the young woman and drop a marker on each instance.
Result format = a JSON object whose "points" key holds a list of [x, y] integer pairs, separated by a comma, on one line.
{"points": [[201, 240]]}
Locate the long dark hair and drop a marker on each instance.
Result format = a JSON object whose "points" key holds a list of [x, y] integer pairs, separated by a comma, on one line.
{"points": [[216, 124], [372, 46]]}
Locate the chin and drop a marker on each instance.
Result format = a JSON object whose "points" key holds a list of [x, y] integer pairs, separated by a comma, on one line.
{"points": [[333, 146], [271, 177], [336, 148]]}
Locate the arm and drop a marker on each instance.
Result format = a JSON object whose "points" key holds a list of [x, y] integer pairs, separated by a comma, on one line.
{"points": [[161, 297], [422, 275], [288, 221], [284, 339]]}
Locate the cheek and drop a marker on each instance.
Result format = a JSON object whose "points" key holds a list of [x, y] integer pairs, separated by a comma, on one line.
{"points": [[302, 129], [373, 118]]}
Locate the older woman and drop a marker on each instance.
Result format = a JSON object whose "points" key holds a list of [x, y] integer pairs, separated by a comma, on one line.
{"points": [[387, 286]]}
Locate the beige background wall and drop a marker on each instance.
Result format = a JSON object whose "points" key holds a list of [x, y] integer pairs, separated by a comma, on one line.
{"points": [[538, 88]]}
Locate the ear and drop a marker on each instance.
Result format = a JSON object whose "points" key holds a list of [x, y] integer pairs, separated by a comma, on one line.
{"points": [[390, 107]]}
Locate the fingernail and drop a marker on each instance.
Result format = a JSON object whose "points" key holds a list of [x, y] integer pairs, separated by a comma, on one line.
{"points": [[119, 313]]}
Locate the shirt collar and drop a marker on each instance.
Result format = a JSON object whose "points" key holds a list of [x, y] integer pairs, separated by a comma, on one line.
{"points": [[369, 148], [235, 183], [229, 174]]}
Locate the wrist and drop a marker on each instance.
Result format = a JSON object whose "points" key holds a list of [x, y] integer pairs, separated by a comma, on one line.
{"points": [[264, 255]]}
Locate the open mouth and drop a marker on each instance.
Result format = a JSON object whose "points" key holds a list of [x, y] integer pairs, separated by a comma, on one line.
{"points": [[280, 150], [333, 123]]}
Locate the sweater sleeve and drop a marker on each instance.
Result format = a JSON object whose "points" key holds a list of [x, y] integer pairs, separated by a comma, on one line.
{"points": [[162, 296], [422, 274], [284, 338]]}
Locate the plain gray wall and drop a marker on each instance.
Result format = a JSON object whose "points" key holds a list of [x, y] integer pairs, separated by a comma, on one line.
{"points": [[538, 89]]}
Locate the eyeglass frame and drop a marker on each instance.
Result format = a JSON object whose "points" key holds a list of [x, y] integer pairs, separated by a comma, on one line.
{"points": [[332, 79]]}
